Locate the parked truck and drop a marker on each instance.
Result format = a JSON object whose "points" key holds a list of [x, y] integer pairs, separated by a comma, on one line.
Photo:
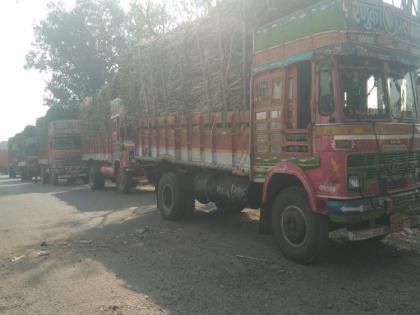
{"points": [[12, 156], [23, 154], [324, 137], [111, 153], [4, 161], [61, 153]]}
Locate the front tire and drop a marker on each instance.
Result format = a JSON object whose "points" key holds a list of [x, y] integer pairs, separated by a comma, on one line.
{"points": [[174, 201], [124, 183], [301, 234]]}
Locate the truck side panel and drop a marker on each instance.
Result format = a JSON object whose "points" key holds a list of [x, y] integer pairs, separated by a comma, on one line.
{"points": [[200, 139]]}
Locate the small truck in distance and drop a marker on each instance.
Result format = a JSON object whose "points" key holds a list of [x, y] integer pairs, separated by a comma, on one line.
{"points": [[23, 154], [60, 153], [4, 161]]}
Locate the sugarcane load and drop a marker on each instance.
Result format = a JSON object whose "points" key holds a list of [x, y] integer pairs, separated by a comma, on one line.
{"points": [[310, 116]]}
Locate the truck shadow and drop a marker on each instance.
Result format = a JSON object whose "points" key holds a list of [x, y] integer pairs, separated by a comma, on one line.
{"points": [[10, 187], [86, 200], [212, 264]]}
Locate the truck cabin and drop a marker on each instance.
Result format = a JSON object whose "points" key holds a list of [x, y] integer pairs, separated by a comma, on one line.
{"points": [[123, 135], [31, 149], [66, 142], [335, 93]]}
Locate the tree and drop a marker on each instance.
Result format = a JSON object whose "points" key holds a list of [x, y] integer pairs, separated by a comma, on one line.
{"points": [[148, 20], [78, 48]]}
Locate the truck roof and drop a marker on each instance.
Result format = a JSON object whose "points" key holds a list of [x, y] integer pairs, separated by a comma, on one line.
{"points": [[365, 27]]}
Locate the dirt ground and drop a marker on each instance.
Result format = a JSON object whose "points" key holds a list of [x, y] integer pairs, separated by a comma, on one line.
{"points": [[68, 250]]}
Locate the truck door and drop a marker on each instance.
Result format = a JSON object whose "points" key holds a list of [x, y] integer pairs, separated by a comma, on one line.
{"points": [[281, 116], [297, 140], [116, 139], [269, 101]]}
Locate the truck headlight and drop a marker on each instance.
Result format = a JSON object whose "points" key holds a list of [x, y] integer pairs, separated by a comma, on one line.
{"points": [[354, 182]]}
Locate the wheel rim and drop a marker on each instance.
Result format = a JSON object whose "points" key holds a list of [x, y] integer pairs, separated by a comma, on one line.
{"points": [[294, 226], [168, 199]]}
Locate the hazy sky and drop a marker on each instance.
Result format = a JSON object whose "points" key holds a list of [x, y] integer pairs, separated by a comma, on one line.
{"points": [[21, 91]]}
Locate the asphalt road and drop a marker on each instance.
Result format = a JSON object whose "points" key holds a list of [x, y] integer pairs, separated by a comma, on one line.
{"points": [[68, 250]]}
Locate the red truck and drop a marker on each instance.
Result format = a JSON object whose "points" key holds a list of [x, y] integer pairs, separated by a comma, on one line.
{"points": [[330, 139], [111, 155], [60, 153], [4, 161]]}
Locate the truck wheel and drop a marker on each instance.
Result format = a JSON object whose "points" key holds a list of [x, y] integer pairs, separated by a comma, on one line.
{"points": [[124, 183], [301, 234], [223, 208], [173, 201], [12, 174], [96, 180], [53, 179], [44, 176]]}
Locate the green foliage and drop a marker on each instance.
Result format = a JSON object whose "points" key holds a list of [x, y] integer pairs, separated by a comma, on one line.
{"points": [[79, 48]]}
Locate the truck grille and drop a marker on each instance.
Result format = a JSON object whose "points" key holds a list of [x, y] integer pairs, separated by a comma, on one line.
{"points": [[69, 161], [392, 166]]}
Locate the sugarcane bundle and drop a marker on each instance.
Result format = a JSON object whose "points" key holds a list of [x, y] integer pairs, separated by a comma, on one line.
{"points": [[200, 66]]}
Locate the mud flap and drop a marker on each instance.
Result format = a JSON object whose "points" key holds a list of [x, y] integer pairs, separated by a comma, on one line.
{"points": [[265, 220]]}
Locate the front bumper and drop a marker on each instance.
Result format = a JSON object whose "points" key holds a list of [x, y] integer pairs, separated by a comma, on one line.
{"points": [[70, 172], [370, 208]]}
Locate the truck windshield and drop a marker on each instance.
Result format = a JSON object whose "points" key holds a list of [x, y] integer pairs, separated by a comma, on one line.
{"points": [[373, 89], [364, 89], [67, 142], [401, 95], [30, 147]]}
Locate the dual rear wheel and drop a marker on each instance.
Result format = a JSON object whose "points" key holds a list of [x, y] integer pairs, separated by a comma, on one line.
{"points": [[174, 198]]}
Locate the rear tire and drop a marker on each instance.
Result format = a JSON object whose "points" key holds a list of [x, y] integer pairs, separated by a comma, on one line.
{"points": [[44, 176], [301, 234], [174, 201], [96, 180]]}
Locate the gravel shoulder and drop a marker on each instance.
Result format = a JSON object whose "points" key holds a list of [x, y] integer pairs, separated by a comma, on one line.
{"points": [[68, 250]]}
